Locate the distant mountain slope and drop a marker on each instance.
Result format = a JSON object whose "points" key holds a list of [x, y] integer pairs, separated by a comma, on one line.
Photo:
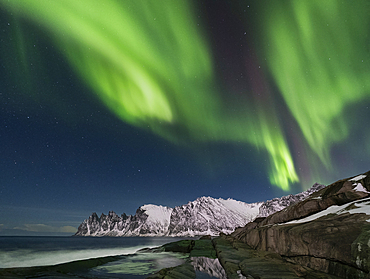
{"points": [[277, 204], [209, 216], [149, 220], [204, 216]]}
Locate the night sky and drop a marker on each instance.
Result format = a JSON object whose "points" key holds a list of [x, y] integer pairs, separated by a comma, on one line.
{"points": [[109, 105]]}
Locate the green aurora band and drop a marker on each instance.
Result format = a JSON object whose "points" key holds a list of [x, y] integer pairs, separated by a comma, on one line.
{"points": [[149, 63], [318, 52]]}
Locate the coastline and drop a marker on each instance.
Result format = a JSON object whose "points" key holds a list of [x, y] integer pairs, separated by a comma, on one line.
{"points": [[65, 270], [221, 257]]}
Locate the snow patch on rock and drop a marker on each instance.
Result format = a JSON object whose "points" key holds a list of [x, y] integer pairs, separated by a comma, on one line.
{"points": [[359, 177], [355, 207], [360, 188]]}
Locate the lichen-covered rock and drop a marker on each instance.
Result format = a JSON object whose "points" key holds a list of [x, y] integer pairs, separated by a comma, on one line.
{"points": [[182, 246], [360, 249], [203, 248]]}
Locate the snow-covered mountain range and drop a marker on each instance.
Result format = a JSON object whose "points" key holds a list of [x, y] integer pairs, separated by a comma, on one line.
{"points": [[204, 216], [209, 216]]}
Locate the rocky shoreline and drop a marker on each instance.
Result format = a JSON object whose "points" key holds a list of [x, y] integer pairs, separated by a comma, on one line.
{"points": [[66, 270], [329, 231], [238, 260], [221, 257]]}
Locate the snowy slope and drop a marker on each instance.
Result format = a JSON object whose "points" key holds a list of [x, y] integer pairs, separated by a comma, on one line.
{"points": [[209, 216], [157, 221], [157, 214]]}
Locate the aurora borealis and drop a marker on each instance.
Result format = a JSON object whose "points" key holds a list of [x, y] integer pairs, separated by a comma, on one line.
{"points": [[324, 46], [273, 93]]}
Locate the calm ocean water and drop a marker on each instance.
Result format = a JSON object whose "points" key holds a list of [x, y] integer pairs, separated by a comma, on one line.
{"points": [[38, 251]]}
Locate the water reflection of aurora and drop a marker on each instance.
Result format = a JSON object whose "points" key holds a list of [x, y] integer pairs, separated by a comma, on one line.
{"points": [[140, 264], [144, 264]]}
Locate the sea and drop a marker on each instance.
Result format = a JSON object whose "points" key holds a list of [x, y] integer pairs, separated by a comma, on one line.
{"points": [[30, 251]]}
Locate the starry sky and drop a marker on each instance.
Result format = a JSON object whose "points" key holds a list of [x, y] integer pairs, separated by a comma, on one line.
{"points": [[109, 105]]}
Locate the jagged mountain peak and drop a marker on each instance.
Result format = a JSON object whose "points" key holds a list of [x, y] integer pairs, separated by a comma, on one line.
{"points": [[203, 200], [204, 216]]}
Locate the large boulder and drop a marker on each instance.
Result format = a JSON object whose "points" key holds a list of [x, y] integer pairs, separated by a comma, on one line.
{"points": [[338, 193], [328, 231]]}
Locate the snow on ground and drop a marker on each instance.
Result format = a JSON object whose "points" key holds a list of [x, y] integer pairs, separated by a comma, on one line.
{"points": [[362, 206]]}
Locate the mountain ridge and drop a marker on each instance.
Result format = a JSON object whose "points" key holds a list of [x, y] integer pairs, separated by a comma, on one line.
{"points": [[203, 216]]}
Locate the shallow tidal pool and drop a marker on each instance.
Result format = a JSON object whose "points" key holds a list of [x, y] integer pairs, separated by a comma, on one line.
{"points": [[140, 264]]}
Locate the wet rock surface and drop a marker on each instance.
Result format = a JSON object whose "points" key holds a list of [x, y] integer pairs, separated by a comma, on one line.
{"points": [[239, 259], [198, 250], [235, 259], [184, 271]]}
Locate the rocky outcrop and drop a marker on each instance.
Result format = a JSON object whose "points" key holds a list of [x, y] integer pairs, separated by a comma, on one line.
{"points": [[271, 206], [241, 261], [328, 231], [338, 193], [233, 259], [209, 266]]}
